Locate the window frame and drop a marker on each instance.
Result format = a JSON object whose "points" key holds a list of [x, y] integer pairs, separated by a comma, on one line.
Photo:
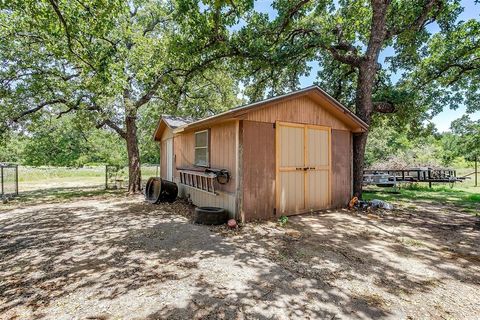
{"points": [[207, 147]]}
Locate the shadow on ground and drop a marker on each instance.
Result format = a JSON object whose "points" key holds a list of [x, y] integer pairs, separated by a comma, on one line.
{"points": [[122, 258], [61, 194]]}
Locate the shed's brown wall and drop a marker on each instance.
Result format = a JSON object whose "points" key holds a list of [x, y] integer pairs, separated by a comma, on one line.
{"points": [[184, 151], [297, 110], [163, 159], [222, 152], [167, 134], [258, 170], [256, 194], [341, 168]]}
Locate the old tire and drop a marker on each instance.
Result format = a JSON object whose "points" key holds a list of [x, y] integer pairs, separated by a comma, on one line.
{"points": [[151, 190], [210, 215], [158, 190]]}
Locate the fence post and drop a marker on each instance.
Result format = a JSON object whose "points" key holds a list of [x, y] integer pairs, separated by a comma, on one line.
{"points": [[16, 180], [1, 173], [476, 171], [430, 178]]}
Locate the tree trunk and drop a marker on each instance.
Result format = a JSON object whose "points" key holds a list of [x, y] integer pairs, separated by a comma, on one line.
{"points": [[364, 108], [359, 143], [367, 72], [134, 174]]}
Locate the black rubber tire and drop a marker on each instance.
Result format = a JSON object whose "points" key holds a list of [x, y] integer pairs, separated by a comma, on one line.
{"points": [[158, 190], [210, 216], [150, 194], [169, 191]]}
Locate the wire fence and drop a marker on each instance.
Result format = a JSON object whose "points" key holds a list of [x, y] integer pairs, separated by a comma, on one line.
{"points": [[116, 177], [8, 180], [21, 179]]}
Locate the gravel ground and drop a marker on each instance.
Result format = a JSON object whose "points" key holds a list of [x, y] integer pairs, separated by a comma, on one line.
{"points": [[120, 258]]}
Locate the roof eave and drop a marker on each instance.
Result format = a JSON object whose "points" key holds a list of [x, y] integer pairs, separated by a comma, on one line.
{"points": [[157, 135], [231, 113]]}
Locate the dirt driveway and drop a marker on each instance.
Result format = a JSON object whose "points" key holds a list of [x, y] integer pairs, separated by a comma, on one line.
{"points": [[118, 258]]}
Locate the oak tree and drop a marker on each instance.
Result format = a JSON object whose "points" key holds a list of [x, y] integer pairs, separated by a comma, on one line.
{"points": [[346, 38], [107, 59]]}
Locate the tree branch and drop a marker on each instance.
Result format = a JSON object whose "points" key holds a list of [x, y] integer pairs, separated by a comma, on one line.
{"points": [[462, 68], [109, 123], [342, 51], [384, 107], [150, 93], [76, 106], [63, 22], [293, 10], [38, 108], [420, 21], [347, 58]]}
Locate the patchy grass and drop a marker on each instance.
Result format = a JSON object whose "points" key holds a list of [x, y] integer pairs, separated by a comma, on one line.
{"points": [[468, 201], [45, 174], [411, 242], [371, 299], [57, 195], [41, 178]]}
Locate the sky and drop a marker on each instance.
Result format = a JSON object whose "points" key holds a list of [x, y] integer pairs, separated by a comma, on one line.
{"points": [[442, 120]]}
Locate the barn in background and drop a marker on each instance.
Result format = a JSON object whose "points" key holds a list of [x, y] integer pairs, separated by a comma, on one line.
{"points": [[282, 156]]}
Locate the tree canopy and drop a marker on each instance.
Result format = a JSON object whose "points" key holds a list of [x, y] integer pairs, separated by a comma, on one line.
{"points": [[105, 60], [117, 65]]}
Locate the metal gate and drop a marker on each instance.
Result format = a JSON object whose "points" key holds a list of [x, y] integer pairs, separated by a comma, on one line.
{"points": [[8, 180], [116, 177]]}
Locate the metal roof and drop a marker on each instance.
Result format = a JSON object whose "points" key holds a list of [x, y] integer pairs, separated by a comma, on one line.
{"points": [[176, 121]]}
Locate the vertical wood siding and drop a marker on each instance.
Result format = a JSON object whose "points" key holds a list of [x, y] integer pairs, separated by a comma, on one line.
{"points": [[223, 153], [167, 134], [317, 190], [257, 154], [318, 180], [341, 168], [303, 172], [184, 151], [298, 110], [258, 141], [163, 159], [222, 156], [203, 199]]}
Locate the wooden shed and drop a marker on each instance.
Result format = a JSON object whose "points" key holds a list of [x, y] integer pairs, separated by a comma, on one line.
{"points": [[285, 155]]}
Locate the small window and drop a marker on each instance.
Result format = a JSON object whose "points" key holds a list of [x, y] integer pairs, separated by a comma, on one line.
{"points": [[201, 148]]}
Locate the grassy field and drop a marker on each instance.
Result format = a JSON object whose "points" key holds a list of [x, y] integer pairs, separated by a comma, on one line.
{"points": [[65, 183], [463, 194], [40, 178]]}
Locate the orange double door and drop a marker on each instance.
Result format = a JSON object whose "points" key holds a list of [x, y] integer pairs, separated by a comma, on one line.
{"points": [[303, 168]]}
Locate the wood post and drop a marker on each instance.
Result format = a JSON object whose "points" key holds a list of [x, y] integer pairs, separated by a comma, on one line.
{"points": [[1, 173], [476, 171], [16, 180]]}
